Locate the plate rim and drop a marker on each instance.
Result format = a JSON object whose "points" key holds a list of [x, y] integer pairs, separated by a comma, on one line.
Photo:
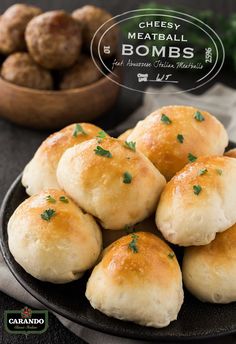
{"points": [[81, 321]]}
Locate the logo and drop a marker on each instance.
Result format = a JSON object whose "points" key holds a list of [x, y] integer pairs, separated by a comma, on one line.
{"points": [[26, 321], [158, 47]]}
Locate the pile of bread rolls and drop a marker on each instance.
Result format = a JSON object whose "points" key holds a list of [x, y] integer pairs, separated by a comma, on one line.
{"points": [[85, 185], [51, 50]]}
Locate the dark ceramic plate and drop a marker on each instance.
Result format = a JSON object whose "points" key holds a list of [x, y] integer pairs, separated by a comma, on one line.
{"points": [[196, 320]]}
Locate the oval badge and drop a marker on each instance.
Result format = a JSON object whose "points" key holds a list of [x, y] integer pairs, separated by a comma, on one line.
{"points": [[158, 47]]}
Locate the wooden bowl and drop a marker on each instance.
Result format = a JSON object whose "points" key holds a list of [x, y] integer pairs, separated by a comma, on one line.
{"points": [[55, 109]]}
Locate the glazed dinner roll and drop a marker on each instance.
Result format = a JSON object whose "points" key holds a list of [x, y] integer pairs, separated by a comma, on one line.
{"points": [[172, 135], [52, 238], [40, 173], [198, 202], [209, 272], [138, 279], [110, 180], [231, 153]]}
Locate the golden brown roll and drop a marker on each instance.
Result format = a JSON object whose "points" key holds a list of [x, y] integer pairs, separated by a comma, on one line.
{"points": [[231, 153], [198, 202], [111, 181], [138, 279], [13, 23], [52, 238], [173, 135], [40, 173], [209, 272]]}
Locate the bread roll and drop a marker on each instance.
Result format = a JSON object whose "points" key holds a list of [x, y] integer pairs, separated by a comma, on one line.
{"points": [[231, 153], [112, 182], [40, 173], [138, 279], [209, 271], [52, 239], [171, 133], [198, 202]]}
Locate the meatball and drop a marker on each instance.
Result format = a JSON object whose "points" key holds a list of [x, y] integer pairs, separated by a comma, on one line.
{"points": [[12, 27], [91, 18], [85, 72], [54, 39], [20, 69]]}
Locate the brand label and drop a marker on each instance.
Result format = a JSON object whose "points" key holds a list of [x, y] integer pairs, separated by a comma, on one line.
{"points": [[26, 321], [159, 47]]}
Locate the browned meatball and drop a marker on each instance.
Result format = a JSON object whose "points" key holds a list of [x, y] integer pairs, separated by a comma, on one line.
{"points": [[91, 18], [20, 69], [12, 27], [83, 73], [54, 39]]}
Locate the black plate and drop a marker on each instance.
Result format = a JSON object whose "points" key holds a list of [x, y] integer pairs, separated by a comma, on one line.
{"points": [[196, 320]]}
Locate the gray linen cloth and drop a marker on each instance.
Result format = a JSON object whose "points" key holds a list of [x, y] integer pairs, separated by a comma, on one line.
{"points": [[220, 101]]}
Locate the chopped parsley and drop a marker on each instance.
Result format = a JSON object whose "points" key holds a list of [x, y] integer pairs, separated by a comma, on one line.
{"points": [[219, 171], [131, 145], [64, 199], [127, 178], [165, 119], [197, 189], [191, 157], [101, 135], [102, 152], [50, 199], [48, 214], [171, 255], [78, 130], [202, 171], [133, 243], [180, 138], [199, 117]]}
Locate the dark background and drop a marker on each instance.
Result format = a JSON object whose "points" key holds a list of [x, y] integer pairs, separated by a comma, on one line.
{"points": [[18, 144]]}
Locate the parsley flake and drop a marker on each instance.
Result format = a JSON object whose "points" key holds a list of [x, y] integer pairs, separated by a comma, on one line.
{"points": [[180, 138], [165, 119], [64, 199], [171, 255], [202, 171], [219, 171], [78, 130], [197, 189], [101, 135], [199, 117], [102, 152], [131, 145], [50, 199], [133, 243], [127, 178], [191, 157], [48, 214]]}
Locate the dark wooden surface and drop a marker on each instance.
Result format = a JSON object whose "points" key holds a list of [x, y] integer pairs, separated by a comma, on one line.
{"points": [[18, 145]]}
